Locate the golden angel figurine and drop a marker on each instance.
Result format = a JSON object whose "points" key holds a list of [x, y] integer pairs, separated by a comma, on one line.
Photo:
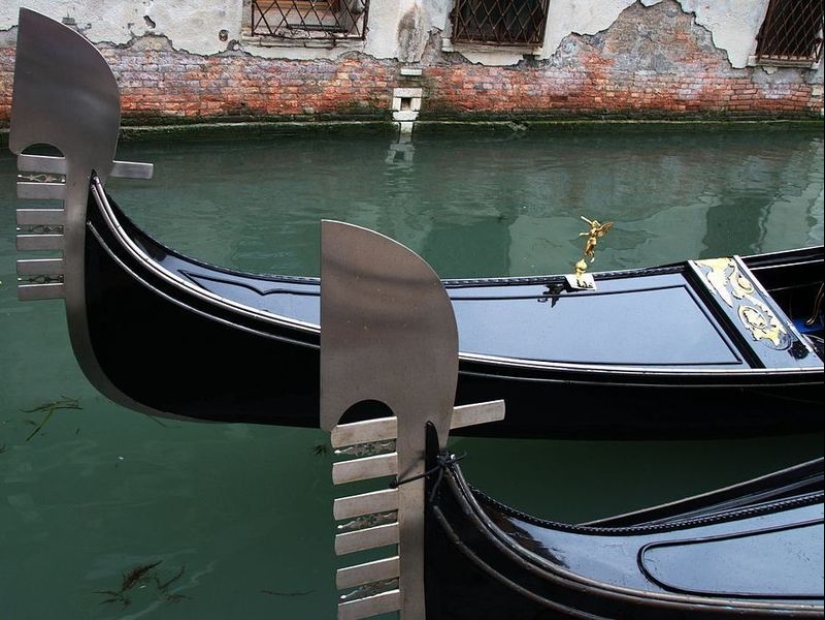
{"points": [[596, 232]]}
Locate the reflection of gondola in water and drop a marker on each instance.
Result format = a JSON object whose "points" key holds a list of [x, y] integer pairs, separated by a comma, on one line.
{"points": [[751, 550], [700, 348]]}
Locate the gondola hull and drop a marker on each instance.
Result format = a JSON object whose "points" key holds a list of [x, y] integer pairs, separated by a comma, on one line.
{"points": [[704, 348], [184, 351], [748, 550], [745, 557]]}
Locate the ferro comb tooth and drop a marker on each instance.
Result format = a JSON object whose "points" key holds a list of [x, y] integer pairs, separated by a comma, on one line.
{"points": [[41, 217], [370, 538], [370, 606], [36, 242], [40, 267], [368, 431], [365, 468], [371, 572], [38, 292], [44, 164], [385, 500], [41, 191]]}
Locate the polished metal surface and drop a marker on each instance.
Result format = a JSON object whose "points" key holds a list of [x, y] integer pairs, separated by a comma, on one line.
{"points": [[381, 429], [389, 335], [387, 428], [364, 504], [47, 164], [365, 469], [385, 602], [41, 191], [368, 538], [477, 413], [40, 292], [36, 243], [41, 217], [355, 576], [65, 96], [40, 266]]}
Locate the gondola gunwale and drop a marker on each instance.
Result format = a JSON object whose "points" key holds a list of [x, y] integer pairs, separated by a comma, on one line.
{"points": [[154, 268], [472, 364], [103, 227], [108, 353], [465, 495], [800, 475]]}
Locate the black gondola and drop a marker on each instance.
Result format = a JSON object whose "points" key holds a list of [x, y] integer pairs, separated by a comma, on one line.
{"points": [[753, 550], [750, 550], [695, 349]]}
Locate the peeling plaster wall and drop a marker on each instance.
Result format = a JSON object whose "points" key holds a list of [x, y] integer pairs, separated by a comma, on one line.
{"points": [[190, 26], [603, 58], [194, 26], [732, 23], [398, 28]]}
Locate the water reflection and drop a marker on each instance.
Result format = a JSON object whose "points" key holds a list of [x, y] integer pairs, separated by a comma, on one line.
{"points": [[100, 491], [401, 152], [490, 204]]}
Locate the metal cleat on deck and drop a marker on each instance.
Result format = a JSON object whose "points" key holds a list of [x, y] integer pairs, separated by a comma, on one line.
{"points": [[389, 336]]}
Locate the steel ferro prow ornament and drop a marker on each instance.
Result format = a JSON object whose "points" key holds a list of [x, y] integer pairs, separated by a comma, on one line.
{"points": [[389, 335], [65, 96]]}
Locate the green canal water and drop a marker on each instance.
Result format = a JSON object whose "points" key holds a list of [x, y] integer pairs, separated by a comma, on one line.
{"points": [[234, 521]]}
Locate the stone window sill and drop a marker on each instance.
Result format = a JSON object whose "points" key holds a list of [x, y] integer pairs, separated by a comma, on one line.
{"points": [[448, 45], [778, 64], [307, 42]]}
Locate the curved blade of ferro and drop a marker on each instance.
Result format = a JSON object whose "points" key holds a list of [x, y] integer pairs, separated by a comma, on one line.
{"points": [[65, 95], [388, 334]]}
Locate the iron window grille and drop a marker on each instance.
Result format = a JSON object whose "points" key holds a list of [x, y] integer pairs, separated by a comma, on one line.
{"points": [[791, 32], [500, 22], [310, 19]]}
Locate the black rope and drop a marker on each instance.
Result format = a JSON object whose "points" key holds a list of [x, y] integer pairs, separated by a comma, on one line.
{"points": [[443, 462]]}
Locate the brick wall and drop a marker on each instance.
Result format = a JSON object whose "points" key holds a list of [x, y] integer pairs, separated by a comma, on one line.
{"points": [[651, 63], [156, 82]]}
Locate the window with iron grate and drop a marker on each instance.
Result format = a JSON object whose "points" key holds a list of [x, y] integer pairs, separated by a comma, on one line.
{"points": [[791, 32], [500, 22], [309, 19]]}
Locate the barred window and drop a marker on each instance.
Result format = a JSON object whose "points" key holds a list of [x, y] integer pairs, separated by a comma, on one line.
{"points": [[791, 32], [310, 19], [500, 22]]}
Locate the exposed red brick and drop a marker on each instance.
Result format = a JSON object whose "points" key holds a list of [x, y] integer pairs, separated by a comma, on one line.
{"points": [[651, 62]]}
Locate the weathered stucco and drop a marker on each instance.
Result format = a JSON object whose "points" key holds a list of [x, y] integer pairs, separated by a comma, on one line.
{"points": [[600, 58], [398, 29], [195, 26], [191, 26], [733, 25]]}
